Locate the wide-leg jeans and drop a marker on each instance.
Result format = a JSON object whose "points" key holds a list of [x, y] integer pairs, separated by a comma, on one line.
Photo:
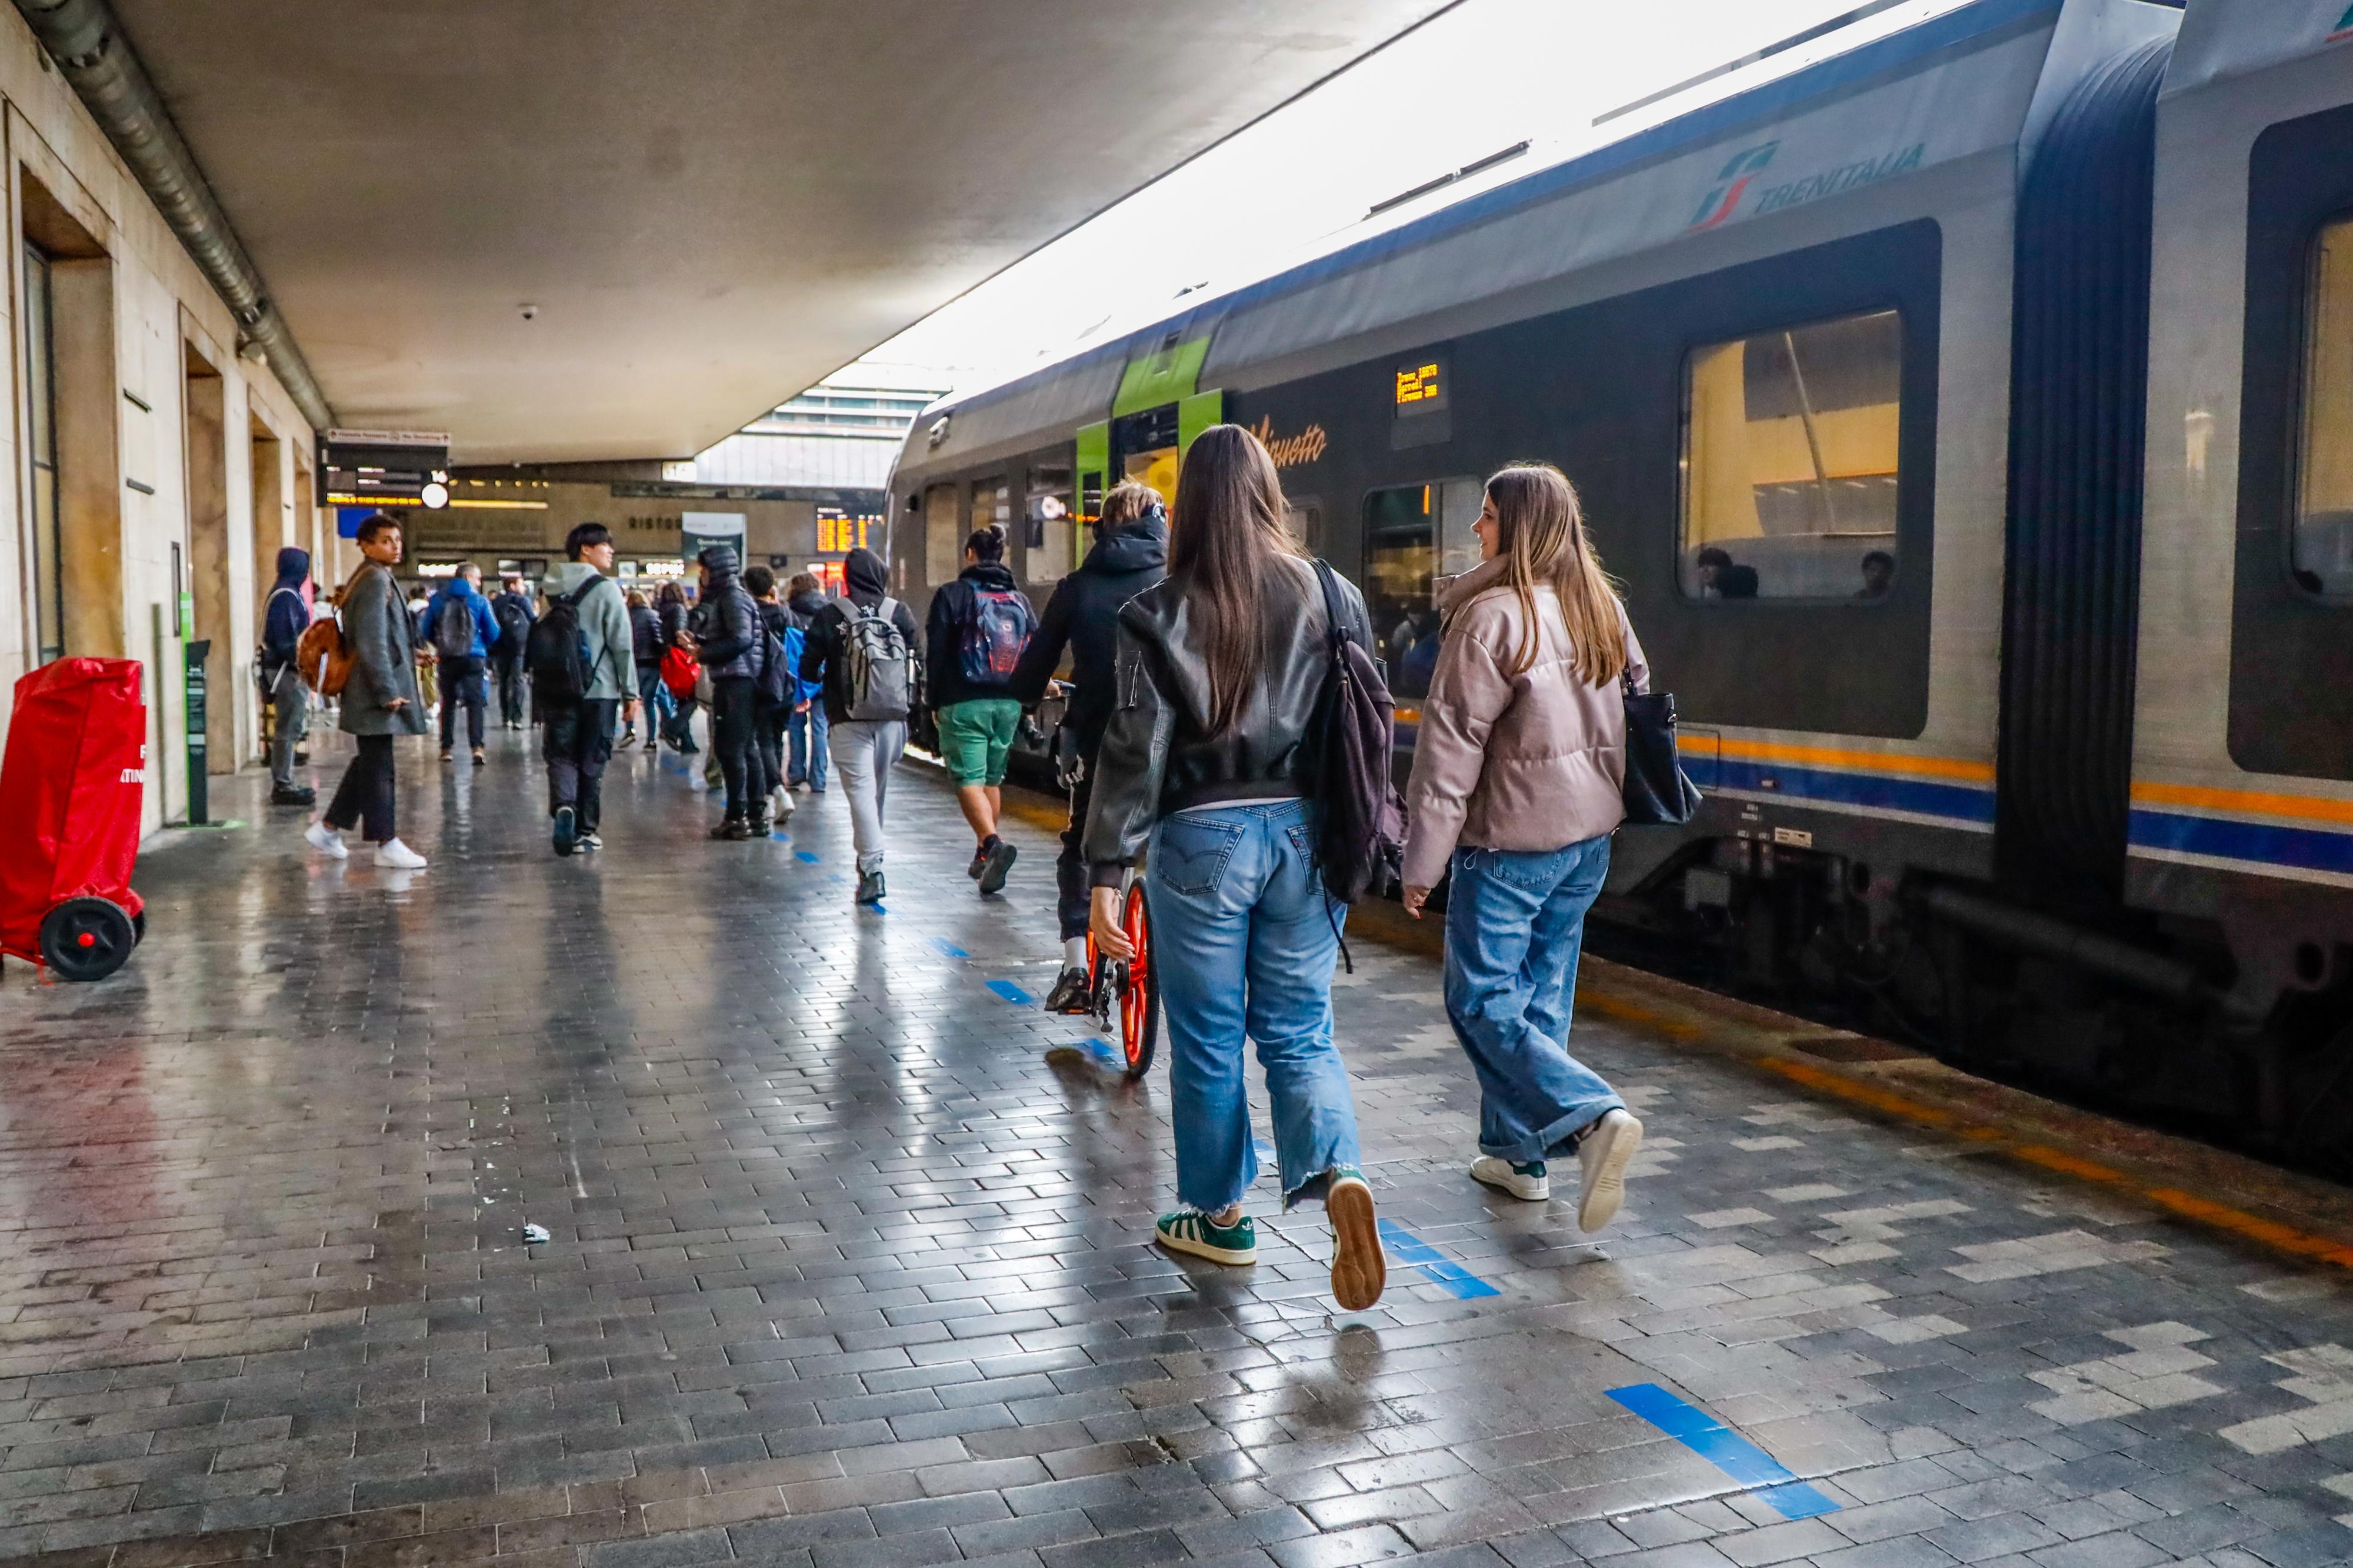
{"points": [[1514, 926], [1244, 940]]}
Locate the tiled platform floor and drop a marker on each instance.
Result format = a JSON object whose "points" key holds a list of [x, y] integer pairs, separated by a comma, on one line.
{"points": [[848, 1262]]}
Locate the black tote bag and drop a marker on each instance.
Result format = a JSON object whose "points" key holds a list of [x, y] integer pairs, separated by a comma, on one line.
{"points": [[1658, 794]]}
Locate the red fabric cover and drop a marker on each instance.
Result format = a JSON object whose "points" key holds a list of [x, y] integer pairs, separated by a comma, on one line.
{"points": [[679, 672], [70, 787]]}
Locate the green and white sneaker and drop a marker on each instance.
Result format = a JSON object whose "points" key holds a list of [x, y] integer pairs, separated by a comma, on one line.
{"points": [[1189, 1230], [1527, 1182]]}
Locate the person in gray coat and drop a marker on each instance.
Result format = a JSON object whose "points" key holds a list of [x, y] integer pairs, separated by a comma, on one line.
{"points": [[379, 700]]}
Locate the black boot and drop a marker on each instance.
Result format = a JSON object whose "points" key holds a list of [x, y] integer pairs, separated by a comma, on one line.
{"points": [[870, 888]]}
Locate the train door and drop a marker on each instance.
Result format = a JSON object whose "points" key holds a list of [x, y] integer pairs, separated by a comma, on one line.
{"points": [[1414, 535]]}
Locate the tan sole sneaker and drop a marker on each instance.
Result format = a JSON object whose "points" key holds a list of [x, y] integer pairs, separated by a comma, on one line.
{"points": [[1604, 1152], [1359, 1271]]}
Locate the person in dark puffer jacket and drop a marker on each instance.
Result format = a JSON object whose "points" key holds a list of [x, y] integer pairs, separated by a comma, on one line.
{"points": [[805, 765], [283, 622], [728, 639], [1130, 554]]}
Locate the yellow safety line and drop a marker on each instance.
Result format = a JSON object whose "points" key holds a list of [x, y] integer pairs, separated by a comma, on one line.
{"points": [[1842, 757], [2311, 808], [2206, 1212]]}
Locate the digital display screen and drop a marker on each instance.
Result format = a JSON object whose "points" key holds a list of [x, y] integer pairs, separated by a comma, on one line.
{"points": [[838, 532], [1422, 386]]}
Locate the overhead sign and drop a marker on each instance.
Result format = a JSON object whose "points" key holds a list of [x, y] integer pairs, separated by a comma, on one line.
{"points": [[401, 468], [698, 531]]}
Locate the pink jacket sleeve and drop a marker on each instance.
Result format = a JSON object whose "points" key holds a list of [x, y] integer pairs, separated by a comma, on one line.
{"points": [[1467, 693]]}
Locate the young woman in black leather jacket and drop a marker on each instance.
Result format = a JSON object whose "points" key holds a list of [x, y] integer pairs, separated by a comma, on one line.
{"points": [[1209, 761]]}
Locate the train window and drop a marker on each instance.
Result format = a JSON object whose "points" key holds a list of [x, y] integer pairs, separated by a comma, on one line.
{"points": [[2322, 547], [943, 538], [1049, 532], [992, 507], [1789, 462], [1413, 534]]}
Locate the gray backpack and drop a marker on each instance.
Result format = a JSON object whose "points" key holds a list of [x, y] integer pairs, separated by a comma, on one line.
{"points": [[877, 670]]}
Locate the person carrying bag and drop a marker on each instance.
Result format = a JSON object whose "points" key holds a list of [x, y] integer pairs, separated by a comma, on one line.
{"points": [[1519, 777]]}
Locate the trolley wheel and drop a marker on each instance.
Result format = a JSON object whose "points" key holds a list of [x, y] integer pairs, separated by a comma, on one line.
{"points": [[86, 938], [139, 928], [1139, 998]]}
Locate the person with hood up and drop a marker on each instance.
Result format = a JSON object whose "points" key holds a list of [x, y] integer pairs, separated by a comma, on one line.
{"points": [[731, 641], [512, 607], [864, 751], [462, 629], [1130, 554], [576, 737], [976, 631], [805, 729], [379, 701], [285, 617]]}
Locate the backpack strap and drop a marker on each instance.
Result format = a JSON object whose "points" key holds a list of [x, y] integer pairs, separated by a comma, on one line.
{"points": [[1338, 633]]}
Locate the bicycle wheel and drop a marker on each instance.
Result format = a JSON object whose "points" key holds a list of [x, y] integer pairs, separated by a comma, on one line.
{"points": [[1139, 1001]]}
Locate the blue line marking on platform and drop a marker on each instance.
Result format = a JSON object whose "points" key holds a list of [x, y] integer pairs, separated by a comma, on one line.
{"points": [[1441, 1270], [781, 837], [804, 857], [1011, 992], [949, 949], [1773, 1482]]}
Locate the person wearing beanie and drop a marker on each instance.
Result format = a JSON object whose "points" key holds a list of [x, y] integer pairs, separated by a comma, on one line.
{"points": [[864, 751]]}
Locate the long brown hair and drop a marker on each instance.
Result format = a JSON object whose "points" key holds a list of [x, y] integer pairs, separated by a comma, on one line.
{"points": [[1542, 539], [1227, 535]]}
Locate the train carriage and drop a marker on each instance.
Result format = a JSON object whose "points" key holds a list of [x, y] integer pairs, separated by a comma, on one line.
{"points": [[1855, 368]]}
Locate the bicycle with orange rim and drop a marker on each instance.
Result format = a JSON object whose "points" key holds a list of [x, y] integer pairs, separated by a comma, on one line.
{"points": [[1128, 986]]}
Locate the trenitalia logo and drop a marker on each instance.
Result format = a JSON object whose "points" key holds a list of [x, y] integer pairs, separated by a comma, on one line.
{"points": [[2343, 28], [1732, 184]]}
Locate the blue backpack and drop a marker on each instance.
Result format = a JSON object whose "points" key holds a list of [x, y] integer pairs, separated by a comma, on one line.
{"points": [[996, 629]]}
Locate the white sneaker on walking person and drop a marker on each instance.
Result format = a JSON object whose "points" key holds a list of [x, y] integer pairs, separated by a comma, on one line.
{"points": [[1527, 1182], [399, 857], [1604, 1151], [325, 839]]}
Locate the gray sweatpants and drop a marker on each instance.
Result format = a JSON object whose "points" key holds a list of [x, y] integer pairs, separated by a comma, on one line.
{"points": [[292, 721], [864, 751]]}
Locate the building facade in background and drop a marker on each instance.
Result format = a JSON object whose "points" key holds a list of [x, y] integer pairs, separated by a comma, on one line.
{"points": [[841, 434], [157, 472]]}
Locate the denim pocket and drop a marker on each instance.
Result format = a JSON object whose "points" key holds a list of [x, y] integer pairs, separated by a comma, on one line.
{"points": [[1190, 854], [1532, 870]]}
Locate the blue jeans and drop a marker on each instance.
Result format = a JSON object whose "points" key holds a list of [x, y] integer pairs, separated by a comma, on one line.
{"points": [[1514, 924], [1244, 944], [806, 733]]}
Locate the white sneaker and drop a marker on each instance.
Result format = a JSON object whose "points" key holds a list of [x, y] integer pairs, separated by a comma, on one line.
{"points": [[694, 777], [392, 852], [325, 839], [1528, 1182], [1604, 1151], [780, 802]]}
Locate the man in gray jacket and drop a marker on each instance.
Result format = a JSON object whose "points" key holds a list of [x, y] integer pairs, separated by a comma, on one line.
{"points": [[379, 701], [577, 736]]}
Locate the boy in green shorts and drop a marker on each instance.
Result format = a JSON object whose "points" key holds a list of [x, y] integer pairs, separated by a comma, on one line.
{"points": [[978, 626]]}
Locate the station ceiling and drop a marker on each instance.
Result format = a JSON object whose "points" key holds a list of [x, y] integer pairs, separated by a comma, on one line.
{"points": [[713, 203]]}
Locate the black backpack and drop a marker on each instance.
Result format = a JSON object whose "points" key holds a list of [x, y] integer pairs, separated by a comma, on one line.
{"points": [[512, 620], [1361, 846], [558, 650], [777, 681], [453, 632]]}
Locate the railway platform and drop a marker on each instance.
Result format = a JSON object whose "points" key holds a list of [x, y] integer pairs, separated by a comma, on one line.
{"points": [[846, 1256]]}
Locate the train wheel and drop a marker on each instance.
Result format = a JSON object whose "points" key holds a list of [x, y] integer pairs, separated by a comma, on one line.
{"points": [[86, 938], [1139, 1002]]}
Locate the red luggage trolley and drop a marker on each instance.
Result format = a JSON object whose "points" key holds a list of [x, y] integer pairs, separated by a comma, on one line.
{"points": [[72, 783]]}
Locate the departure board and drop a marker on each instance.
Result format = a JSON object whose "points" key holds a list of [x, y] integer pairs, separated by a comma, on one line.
{"points": [[1422, 386]]}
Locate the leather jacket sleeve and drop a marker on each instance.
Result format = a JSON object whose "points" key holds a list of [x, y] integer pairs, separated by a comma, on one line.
{"points": [[1130, 766]]}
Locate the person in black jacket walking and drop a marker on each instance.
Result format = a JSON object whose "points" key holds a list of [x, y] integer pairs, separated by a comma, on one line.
{"points": [[728, 638], [1130, 554], [979, 626], [646, 644], [512, 607], [1211, 757], [284, 619]]}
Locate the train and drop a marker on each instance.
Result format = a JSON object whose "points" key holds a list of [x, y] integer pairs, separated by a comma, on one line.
{"points": [[1967, 416]]}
